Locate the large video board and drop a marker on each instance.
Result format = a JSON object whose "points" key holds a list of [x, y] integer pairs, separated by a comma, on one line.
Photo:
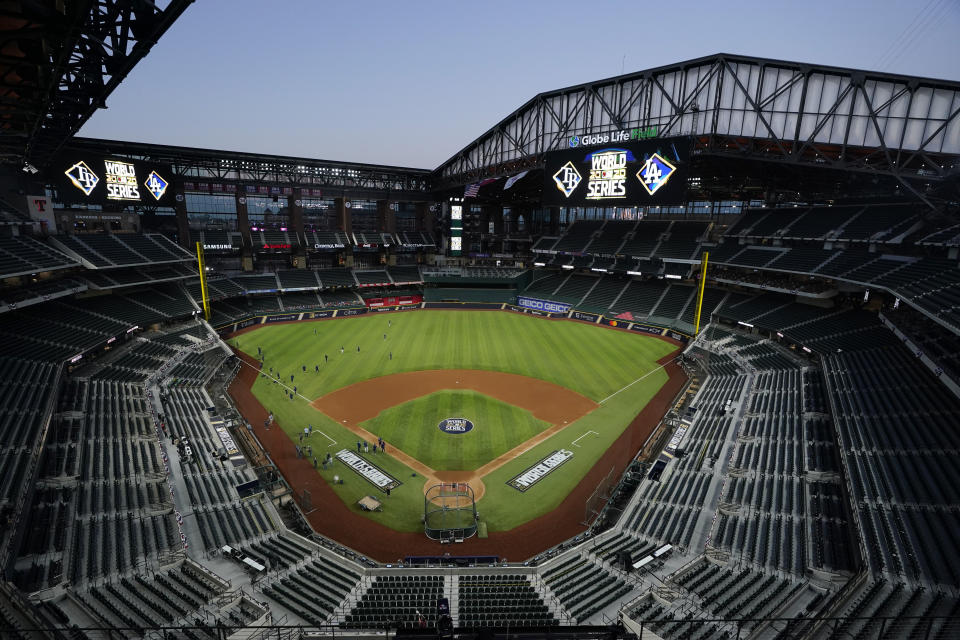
{"points": [[608, 169], [86, 179]]}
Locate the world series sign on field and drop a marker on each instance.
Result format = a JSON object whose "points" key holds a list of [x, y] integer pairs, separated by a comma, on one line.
{"points": [[536, 473], [368, 471]]}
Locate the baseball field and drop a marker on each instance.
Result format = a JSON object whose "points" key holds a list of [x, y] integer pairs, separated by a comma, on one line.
{"points": [[479, 397]]}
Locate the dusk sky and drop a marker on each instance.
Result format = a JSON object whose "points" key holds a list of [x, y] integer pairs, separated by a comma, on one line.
{"points": [[410, 83]]}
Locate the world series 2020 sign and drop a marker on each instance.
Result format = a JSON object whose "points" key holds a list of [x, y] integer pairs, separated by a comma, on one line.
{"points": [[652, 172], [368, 471], [104, 180], [534, 474]]}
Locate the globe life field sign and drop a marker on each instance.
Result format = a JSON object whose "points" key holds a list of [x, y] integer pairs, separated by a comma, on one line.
{"points": [[455, 425]]}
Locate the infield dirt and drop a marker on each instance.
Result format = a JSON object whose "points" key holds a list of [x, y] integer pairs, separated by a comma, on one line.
{"points": [[362, 401]]}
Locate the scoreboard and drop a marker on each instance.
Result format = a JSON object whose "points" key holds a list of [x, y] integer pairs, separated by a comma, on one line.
{"points": [[92, 179], [621, 173]]}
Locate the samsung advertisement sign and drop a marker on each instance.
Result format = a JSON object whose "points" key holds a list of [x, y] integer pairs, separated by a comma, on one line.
{"points": [[622, 173]]}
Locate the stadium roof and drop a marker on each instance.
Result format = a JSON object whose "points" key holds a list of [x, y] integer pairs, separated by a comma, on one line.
{"points": [[791, 113], [335, 177], [62, 60]]}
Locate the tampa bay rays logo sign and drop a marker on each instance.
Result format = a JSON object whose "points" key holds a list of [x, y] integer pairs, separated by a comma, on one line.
{"points": [[567, 179], [82, 177]]}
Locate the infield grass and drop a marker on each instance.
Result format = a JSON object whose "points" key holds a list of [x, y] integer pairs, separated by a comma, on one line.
{"points": [[413, 427]]}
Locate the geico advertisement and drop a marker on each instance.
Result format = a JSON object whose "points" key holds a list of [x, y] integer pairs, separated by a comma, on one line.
{"points": [[104, 180], [620, 174]]}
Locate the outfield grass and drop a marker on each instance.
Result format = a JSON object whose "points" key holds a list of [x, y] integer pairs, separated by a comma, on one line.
{"points": [[590, 360], [413, 428], [587, 359]]}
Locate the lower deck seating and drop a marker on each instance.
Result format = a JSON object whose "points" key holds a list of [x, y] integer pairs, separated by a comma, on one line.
{"points": [[585, 588], [140, 602], [396, 600], [315, 590], [501, 601]]}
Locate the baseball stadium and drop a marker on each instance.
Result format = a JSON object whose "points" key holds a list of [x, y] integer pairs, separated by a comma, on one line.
{"points": [[671, 354]]}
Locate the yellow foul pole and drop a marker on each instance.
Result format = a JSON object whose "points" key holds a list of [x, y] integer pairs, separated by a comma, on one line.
{"points": [[203, 284], [703, 282]]}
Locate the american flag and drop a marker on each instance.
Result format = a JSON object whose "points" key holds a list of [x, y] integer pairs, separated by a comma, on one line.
{"points": [[472, 190]]}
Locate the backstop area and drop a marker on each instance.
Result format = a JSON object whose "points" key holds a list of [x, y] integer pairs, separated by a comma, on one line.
{"points": [[449, 512]]}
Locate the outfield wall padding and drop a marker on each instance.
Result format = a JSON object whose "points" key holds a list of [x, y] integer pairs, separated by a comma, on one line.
{"points": [[631, 325]]}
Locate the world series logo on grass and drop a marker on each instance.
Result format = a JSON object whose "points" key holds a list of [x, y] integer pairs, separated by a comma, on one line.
{"points": [[455, 425]]}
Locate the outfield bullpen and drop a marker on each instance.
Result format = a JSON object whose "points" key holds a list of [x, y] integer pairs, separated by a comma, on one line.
{"points": [[575, 373]]}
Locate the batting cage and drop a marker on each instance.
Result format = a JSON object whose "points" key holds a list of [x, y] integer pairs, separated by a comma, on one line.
{"points": [[449, 512]]}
